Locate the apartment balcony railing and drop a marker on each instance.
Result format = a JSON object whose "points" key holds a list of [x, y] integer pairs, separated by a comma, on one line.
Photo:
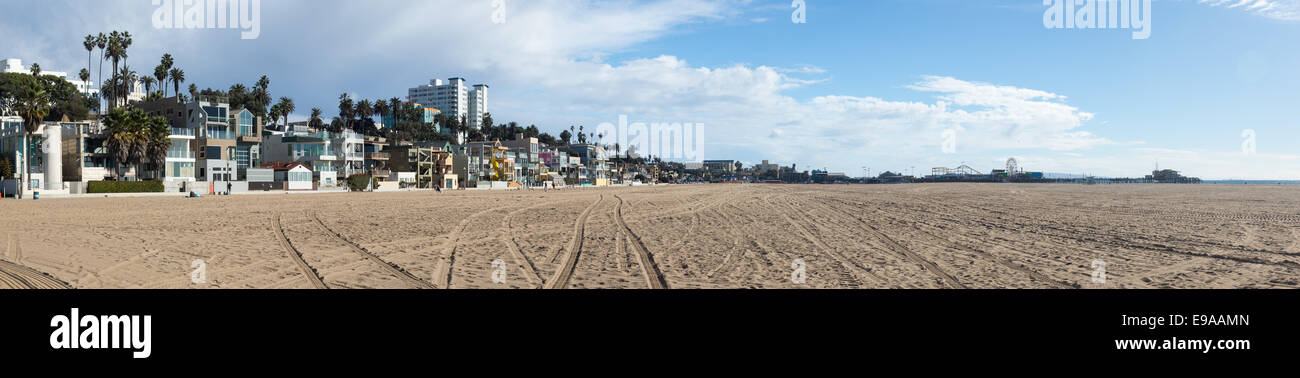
{"points": [[182, 131], [186, 154], [377, 156], [220, 134]]}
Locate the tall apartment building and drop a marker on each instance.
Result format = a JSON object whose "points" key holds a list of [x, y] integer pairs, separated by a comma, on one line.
{"points": [[478, 102], [453, 98]]}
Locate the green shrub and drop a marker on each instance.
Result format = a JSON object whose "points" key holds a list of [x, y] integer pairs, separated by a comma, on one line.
{"points": [[150, 186], [360, 181]]}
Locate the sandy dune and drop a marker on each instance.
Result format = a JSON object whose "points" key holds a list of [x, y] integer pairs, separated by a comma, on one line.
{"points": [[696, 236]]}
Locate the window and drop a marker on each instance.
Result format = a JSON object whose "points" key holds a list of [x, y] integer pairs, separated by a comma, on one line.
{"points": [[180, 170], [246, 123], [242, 156]]}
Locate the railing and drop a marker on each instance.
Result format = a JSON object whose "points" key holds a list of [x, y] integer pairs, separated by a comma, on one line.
{"points": [[220, 134], [182, 154], [377, 156], [182, 131], [221, 120]]}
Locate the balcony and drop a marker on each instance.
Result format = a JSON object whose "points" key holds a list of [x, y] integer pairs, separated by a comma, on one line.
{"points": [[377, 156], [182, 154], [180, 132]]}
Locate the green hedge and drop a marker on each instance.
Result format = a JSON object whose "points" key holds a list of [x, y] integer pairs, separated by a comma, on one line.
{"points": [[151, 186]]}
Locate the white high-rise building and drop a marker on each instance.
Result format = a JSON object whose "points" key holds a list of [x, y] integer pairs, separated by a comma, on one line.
{"points": [[478, 102], [453, 98]]}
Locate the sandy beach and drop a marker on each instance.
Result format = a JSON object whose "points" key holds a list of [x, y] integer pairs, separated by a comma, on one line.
{"points": [[690, 236]]}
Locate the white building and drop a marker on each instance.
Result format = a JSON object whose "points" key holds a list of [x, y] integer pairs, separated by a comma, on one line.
{"points": [[13, 65], [453, 98], [478, 102]]}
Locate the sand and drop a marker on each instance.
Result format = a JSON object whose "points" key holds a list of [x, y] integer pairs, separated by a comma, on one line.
{"points": [[685, 236]]}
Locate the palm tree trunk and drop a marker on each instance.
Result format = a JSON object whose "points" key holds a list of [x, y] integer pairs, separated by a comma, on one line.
{"points": [[101, 82]]}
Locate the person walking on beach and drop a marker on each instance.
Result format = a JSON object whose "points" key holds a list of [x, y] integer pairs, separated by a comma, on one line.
{"points": [[227, 187]]}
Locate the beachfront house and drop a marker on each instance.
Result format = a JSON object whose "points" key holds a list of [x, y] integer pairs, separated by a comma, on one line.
{"points": [[210, 139], [295, 176]]}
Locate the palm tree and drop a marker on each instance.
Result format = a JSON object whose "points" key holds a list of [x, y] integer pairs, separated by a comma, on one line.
{"points": [[126, 44], [160, 74], [126, 79], [36, 70], [178, 77], [133, 137], [32, 107], [85, 77], [364, 111], [286, 108], [156, 130], [101, 42], [238, 94], [116, 52], [262, 94], [148, 84], [275, 114], [89, 44], [166, 64], [120, 139], [194, 90], [315, 122], [345, 108], [381, 107]]}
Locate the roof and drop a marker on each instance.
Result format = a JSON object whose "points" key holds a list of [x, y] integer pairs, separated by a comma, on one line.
{"points": [[284, 166]]}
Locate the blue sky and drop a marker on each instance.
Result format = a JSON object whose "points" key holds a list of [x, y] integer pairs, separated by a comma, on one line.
{"points": [[861, 84]]}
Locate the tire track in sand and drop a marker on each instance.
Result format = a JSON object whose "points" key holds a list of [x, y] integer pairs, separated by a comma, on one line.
{"points": [[899, 249], [307, 270], [856, 271], [442, 273], [387, 266], [562, 273], [653, 277], [22, 277], [527, 266]]}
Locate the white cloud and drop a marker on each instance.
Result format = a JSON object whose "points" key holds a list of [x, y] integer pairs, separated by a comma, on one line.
{"points": [[1287, 10]]}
